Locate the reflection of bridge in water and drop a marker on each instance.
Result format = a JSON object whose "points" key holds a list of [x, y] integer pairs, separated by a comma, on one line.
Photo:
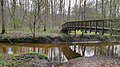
{"points": [[69, 53], [62, 53]]}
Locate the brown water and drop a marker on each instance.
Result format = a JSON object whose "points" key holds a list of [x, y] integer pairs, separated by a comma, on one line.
{"points": [[64, 52]]}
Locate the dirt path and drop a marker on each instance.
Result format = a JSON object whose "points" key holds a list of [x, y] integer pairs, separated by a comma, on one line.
{"points": [[96, 61]]}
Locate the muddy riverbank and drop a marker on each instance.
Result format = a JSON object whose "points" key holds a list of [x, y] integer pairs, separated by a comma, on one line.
{"points": [[58, 39], [26, 60], [95, 61], [38, 60]]}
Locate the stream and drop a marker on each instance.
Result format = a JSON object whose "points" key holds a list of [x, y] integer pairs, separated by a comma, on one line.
{"points": [[63, 52]]}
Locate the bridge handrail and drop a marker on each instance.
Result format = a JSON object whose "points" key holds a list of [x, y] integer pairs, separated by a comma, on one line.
{"points": [[87, 21]]}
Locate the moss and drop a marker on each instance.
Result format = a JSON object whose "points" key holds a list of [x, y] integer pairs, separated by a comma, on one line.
{"points": [[29, 56], [19, 60]]}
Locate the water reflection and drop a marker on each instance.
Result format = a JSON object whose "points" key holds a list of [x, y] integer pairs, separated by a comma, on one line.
{"points": [[63, 53], [69, 53], [10, 51]]}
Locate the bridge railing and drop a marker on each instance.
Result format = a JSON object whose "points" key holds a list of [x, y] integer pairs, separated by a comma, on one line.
{"points": [[93, 23], [96, 24]]}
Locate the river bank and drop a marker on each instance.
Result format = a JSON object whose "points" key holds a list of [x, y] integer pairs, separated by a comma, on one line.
{"points": [[39, 60], [102, 55], [20, 38], [25, 60], [95, 61]]}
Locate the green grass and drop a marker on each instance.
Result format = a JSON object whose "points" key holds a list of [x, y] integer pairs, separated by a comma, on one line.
{"points": [[88, 33], [48, 32], [79, 32]]}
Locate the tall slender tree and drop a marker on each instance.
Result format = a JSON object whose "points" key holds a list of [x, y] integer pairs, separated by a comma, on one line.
{"points": [[3, 18], [84, 15], [96, 9], [69, 10]]}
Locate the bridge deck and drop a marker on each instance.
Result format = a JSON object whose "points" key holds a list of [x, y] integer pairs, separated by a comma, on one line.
{"points": [[104, 26]]}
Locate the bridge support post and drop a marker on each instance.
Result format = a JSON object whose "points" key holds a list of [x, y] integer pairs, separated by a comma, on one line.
{"points": [[85, 27], [90, 26], [96, 27], [82, 33], [81, 26], [102, 27], [78, 26], [111, 30]]}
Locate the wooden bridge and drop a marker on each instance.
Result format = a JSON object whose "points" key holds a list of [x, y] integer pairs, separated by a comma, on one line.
{"points": [[102, 26]]}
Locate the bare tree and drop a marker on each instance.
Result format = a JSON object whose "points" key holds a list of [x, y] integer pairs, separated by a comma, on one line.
{"points": [[80, 10], [96, 9], [84, 15], [69, 10], [13, 13], [52, 12], [61, 7], [64, 11], [76, 10], [103, 10], [3, 18]]}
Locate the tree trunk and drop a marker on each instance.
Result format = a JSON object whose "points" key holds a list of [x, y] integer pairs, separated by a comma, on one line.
{"points": [[52, 13], [69, 10], [103, 10], [76, 11], [3, 20], [96, 9], [84, 15], [80, 11]]}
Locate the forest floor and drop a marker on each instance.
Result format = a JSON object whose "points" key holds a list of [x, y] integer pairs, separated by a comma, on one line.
{"points": [[27, 38], [95, 61]]}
